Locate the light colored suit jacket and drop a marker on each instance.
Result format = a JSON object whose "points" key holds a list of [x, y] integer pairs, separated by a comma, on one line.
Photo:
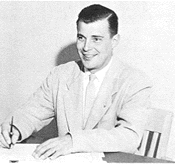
{"points": [[116, 121]]}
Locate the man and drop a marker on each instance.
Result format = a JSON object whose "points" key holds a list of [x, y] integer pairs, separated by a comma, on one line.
{"points": [[118, 100]]}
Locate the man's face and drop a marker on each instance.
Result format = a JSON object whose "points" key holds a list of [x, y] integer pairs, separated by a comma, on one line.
{"points": [[94, 44]]}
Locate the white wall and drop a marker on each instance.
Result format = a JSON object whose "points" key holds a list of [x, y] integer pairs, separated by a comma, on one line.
{"points": [[33, 35]]}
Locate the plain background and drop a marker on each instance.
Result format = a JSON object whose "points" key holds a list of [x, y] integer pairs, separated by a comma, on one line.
{"points": [[36, 36]]}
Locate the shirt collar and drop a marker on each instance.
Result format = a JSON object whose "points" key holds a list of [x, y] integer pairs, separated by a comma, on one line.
{"points": [[101, 73]]}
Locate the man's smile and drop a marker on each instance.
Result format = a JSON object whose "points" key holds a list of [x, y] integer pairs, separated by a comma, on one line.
{"points": [[88, 56]]}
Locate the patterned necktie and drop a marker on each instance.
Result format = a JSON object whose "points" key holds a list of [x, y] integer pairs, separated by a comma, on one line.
{"points": [[89, 96]]}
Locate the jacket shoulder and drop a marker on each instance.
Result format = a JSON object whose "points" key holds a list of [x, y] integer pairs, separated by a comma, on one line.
{"points": [[67, 70], [133, 75]]}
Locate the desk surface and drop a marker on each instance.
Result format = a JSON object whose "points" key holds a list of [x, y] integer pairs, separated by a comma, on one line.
{"points": [[117, 157], [23, 152], [131, 158]]}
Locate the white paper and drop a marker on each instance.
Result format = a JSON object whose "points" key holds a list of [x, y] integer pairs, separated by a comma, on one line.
{"points": [[21, 153]]}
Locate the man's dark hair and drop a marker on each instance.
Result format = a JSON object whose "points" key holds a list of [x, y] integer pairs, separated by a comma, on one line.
{"points": [[97, 12]]}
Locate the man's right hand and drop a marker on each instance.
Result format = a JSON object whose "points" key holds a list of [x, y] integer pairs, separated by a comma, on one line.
{"points": [[5, 140]]}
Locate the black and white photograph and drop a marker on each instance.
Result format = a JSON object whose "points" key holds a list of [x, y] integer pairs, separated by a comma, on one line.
{"points": [[87, 82]]}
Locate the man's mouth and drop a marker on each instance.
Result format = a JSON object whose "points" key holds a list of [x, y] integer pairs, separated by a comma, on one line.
{"points": [[88, 56]]}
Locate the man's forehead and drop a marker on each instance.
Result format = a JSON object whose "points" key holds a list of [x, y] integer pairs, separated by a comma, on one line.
{"points": [[103, 22], [95, 28]]}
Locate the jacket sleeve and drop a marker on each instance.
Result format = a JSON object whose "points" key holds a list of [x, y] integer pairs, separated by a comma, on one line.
{"points": [[131, 105], [37, 112]]}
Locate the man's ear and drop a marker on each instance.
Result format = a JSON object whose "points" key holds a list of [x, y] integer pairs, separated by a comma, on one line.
{"points": [[115, 40]]}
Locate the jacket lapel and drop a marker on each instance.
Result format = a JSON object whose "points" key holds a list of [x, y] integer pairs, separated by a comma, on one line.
{"points": [[73, 101], [103, 101], [73, 98]]}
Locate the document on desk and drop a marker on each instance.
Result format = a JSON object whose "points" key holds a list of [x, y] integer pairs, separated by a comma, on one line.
{"points": [[22, 153]]}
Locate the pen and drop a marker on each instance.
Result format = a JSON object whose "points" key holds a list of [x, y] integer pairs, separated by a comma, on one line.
{"points": [[11, 132]]}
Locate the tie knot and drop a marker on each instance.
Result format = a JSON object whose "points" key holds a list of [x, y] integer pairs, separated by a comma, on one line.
{"points": [[92, 77]]}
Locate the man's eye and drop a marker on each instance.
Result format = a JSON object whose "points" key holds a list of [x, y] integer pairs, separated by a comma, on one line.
{"points": [[80, 38], [97, 39]]}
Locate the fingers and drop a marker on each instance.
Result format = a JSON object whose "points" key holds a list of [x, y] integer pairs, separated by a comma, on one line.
{"points": [[58, 153], [45, 149], [47, 153], [15, 136], [53, 148], [5, 140], [51, 153], [4, 135]]}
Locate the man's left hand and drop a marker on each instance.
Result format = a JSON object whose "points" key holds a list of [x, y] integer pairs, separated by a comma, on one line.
{"points": [[53, 148]]}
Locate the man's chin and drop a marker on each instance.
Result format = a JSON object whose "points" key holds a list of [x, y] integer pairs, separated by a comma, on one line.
{"points": [[88, 66]]}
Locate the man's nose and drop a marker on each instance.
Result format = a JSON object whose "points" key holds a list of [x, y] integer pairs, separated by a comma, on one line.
{"points": [[87, 45]]}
